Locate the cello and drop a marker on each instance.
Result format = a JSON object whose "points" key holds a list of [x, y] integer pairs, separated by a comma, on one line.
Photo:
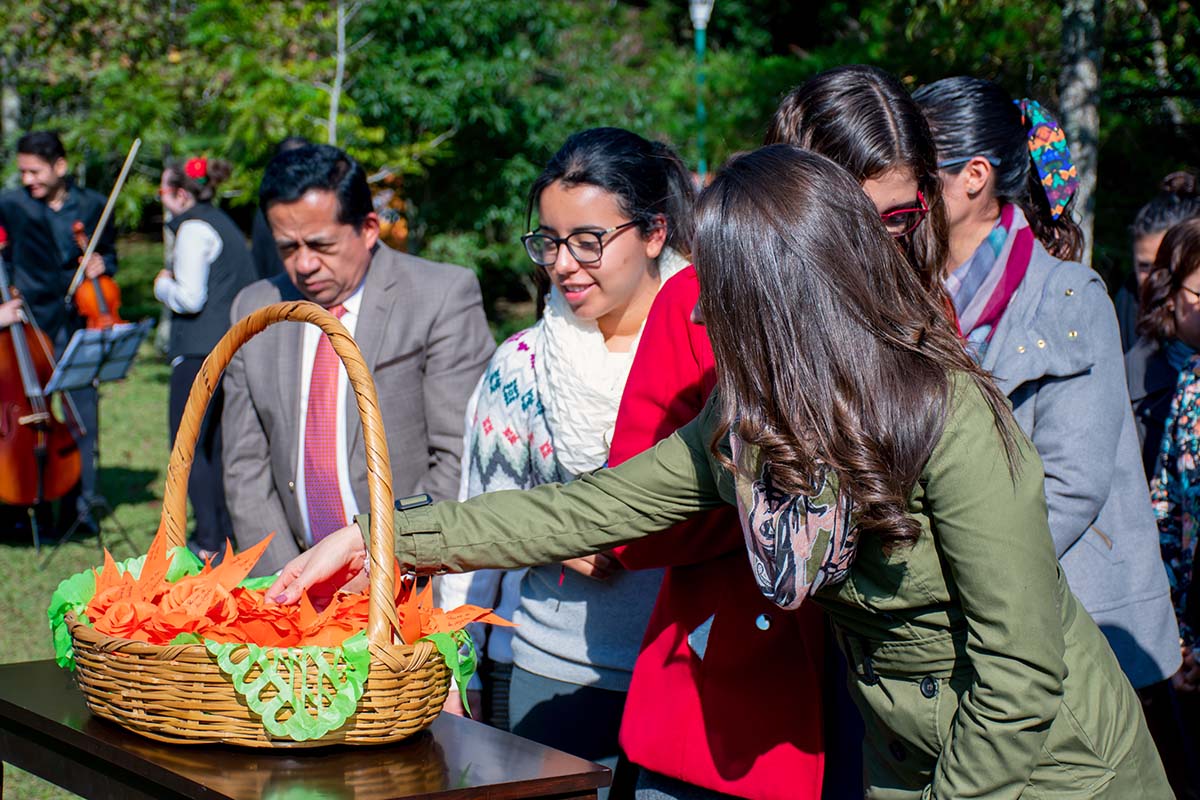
{"points": [[39, 459]]}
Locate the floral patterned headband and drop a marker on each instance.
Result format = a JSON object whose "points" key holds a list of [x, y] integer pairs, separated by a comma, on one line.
{"points": [[1050, 154]]}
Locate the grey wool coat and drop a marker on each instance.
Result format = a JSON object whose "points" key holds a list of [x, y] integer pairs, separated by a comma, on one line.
{"points": [[1057, 354], [423, 334]]}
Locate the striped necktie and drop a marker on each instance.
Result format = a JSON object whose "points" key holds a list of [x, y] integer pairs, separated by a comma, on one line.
{"points": [[322, 492]]}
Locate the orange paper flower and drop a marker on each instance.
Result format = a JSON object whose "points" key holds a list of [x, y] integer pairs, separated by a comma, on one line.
{"points": [[212, 605]]}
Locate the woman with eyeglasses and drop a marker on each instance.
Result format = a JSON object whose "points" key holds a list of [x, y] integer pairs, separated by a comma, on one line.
{"points": [[613, 222], [1043, 325], [865, 120], [209, 264], [699, 641], [876, 470]]}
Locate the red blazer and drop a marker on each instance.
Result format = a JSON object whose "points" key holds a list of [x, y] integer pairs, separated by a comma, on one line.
{"points": [[746, 718]]}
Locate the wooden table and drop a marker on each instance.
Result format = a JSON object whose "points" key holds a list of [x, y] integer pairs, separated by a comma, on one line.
{"points": [[46, 729]]}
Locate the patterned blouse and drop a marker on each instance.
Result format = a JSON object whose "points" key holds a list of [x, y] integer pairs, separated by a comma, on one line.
{"points": [[1175, 490]]}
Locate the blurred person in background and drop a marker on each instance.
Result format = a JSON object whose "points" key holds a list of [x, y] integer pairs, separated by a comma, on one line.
{"points": [[1152, 365], [209, 265], [44, 257], [1171, 317]]}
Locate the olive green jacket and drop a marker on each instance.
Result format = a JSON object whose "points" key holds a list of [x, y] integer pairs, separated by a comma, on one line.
{"points": [[961, 643]]}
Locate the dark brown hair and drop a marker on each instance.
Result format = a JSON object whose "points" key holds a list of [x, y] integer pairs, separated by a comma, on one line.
{"points": [[647, 179], [864, 120], [1176, 201], [1177, 259], [974, 117], [203, 190], [830, 353]]}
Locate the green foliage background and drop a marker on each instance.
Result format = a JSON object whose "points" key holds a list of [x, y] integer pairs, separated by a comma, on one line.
{"points": [[466, 99]]}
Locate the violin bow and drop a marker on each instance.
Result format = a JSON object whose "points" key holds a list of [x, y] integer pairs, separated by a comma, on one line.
{"points": [[104, 215]]}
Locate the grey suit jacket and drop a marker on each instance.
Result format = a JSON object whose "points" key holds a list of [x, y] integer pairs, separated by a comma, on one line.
{"points": [[422, 331], [1056, 353]]}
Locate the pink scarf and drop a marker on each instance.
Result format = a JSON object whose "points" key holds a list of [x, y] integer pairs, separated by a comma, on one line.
{"points": [[983, 286]]}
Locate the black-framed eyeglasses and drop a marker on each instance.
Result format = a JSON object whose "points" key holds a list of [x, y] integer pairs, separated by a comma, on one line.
{"points": [[586, 247], [958, 162], [904, 221]]}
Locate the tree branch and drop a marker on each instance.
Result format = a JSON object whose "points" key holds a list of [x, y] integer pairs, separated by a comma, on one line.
{"points": [[389, 171]]}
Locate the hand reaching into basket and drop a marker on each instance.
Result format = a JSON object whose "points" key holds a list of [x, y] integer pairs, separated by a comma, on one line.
{"points": [[336, 562]]}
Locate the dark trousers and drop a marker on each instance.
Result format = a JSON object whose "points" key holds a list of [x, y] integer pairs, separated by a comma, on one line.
{"points": [[1174, 722], [581, 720], [206, 488]]}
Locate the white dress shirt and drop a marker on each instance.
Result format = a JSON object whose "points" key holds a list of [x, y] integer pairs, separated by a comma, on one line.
{"points": [[197, 246], [312, 336]]}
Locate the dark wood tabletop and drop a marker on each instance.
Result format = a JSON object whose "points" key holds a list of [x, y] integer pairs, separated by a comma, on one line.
{"points": [[46, 729]]}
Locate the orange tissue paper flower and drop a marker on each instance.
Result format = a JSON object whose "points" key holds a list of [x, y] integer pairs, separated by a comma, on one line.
{"points": [[210, 604]]}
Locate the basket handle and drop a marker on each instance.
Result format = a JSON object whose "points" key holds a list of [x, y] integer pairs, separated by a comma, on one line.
{"points": [[382, 620]]}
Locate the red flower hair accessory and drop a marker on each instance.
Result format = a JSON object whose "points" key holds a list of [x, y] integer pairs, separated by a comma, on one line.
{"points": [[197, 169]]}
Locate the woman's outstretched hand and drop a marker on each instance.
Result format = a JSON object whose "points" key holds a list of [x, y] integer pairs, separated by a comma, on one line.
{"points": [[323, 569]]}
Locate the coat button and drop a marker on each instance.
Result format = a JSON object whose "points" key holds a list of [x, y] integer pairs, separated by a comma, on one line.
{"points": [[898, 751], [1041, 343], [1070, 292], [763, 622], [1072, 334], [1020, 348], [929, 687], [291, 486]]}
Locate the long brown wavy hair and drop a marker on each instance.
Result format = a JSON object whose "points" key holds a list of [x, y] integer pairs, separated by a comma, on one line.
{"points": [[830, 354]]}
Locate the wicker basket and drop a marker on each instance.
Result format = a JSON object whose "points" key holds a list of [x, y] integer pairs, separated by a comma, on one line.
{"points": [[178, 693]]}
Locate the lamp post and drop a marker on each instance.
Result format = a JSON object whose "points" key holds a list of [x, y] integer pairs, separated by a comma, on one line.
{"points": [[701, 11]]}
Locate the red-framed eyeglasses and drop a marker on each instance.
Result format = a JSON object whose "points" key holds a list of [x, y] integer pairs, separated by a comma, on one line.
{"points": [[903, 221]]}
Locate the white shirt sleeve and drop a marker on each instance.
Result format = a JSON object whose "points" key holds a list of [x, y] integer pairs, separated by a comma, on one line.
{"points": [[197, 246]]}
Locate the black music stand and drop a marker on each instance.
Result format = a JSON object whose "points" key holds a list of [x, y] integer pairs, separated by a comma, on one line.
{"points": [[92, 357]]}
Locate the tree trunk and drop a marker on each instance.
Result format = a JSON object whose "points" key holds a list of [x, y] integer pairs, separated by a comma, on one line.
{"points": [[10, 107], [1079, 97], [1158, 56], [339, 73]]}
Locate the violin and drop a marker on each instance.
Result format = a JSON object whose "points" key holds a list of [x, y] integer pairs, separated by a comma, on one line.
{"points": [[39, 459], [98, 300]]}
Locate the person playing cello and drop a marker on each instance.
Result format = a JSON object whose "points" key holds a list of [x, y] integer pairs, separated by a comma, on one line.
{"points": [[44, 256]]}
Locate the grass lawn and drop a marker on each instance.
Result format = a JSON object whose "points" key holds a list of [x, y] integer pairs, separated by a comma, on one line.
{"points": [[133, 461]]}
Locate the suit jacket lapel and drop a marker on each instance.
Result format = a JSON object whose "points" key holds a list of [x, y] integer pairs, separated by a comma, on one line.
{"points": [[379, 298], [289, 371]]}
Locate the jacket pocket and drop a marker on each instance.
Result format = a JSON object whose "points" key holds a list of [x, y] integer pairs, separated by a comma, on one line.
{"points": [[1096, 571], [1069, 766]]}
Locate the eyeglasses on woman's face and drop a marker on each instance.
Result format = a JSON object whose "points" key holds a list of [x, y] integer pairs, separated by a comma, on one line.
{"points": [[586, 247], [903, 221]]}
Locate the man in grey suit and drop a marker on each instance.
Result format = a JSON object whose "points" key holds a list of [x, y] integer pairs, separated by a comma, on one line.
{"points": [[294, 457]]}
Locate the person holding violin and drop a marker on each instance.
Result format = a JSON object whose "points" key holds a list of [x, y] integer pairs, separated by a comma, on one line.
{"points": [[44, 253], [210, 263]]}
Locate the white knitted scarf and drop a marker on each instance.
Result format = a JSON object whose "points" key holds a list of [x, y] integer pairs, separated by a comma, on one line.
{"points": [[579, 384]]}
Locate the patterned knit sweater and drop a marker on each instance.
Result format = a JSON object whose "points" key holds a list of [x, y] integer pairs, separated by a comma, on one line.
{"points": [[570, 628]]}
